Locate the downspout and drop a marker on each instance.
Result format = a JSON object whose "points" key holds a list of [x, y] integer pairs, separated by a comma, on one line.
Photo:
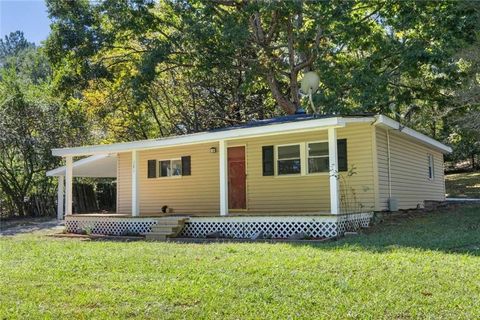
{"points": [[389, 165]]}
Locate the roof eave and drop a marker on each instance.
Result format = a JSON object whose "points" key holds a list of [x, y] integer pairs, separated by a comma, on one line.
{"points": [[205, 137], [395, 125]]}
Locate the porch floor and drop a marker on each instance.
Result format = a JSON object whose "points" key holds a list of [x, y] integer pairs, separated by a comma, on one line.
{"points": [[203, 215]]}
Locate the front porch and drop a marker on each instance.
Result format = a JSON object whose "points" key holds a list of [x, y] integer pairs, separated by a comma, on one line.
{"points": [[136, 197]]}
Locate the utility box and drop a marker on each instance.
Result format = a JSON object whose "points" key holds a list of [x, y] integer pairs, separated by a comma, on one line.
{"points": [[392, 204]]}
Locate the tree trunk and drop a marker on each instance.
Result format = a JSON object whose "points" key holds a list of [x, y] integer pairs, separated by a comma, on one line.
{"points": [[284, 103], [20, 205]]}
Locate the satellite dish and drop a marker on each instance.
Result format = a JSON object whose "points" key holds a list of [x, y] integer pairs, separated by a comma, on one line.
{"points": [[310, 82], [309, 85], [393, 107]]}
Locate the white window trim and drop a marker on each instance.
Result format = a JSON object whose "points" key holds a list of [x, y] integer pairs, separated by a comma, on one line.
{"points": [[302, 160], [431, 158], [160, 169], [307, 156]]}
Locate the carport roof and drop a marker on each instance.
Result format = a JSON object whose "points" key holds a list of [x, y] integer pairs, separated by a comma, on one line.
{"points": [[96, 166]]}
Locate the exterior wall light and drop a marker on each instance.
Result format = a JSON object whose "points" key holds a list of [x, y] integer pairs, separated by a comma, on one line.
{"points": [[213, 150]]}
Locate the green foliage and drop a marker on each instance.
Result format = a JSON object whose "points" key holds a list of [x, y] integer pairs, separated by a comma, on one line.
{"points": [[32, 122], [170, 67], [12, 45], [126, 70]]}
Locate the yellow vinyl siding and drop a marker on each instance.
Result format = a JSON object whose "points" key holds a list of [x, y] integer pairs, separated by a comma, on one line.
{"points": [[124, 183], [199, 193], [309, 193], [382, 160], [409, 171]]}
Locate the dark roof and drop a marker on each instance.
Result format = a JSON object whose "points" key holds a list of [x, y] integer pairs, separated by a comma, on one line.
{"points": [[287, 119]]}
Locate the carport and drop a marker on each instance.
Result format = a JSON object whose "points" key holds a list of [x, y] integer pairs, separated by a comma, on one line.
{"points": [[96, 166]]}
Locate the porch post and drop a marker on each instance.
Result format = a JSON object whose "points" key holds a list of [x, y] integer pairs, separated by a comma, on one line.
{"points": [[223, 178], [135, 183], [68, 185], [60, 200], [334, 182]]}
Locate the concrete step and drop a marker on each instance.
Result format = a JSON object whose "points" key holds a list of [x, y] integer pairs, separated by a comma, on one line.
{"points": [[172, 229], [156, 237], [173, 219], [165, 228], [170, 224], [162, 233]]}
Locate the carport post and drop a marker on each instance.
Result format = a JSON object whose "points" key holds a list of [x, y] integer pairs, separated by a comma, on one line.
{"points": [[68, 185], [60, 200]]}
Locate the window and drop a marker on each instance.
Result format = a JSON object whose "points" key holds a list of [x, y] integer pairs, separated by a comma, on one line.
{"points": [[288, 160], [318, 157], [431, 168], [177, 167], [170, 168], [312, 156]]}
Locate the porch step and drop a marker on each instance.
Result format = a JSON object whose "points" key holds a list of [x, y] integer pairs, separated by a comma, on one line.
{"points": [[163, 228], [167, 227]]}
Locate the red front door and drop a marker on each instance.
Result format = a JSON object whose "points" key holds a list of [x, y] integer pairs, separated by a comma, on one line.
{"points": [[237, 178]]}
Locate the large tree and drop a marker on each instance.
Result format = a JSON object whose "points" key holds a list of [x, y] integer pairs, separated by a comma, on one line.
{"points": [[180, 66]]}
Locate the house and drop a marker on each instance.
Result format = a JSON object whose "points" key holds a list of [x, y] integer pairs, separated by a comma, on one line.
{"points": [[301, 173]]}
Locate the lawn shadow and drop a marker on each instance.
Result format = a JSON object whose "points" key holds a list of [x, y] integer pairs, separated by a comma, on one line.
{"points": [[463, 185], [454, 231]]}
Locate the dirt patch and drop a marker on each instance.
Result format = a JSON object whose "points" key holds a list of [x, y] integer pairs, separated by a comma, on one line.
{"points": [[43, 225]]}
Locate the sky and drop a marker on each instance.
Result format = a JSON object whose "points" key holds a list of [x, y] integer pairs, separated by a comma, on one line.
{"points": [[29, 16]]}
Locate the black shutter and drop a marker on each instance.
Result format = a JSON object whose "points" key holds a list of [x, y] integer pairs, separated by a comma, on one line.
{"points": [[186, 166], [342, 155], [267, 159], [152, 169]]}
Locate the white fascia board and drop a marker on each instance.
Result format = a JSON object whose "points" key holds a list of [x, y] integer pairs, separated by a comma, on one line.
{"points": [[204, 137], [60, 171], [390, 123]]}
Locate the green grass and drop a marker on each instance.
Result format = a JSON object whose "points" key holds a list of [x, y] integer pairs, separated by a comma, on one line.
{"points": [[465, 185], [415, 267]]}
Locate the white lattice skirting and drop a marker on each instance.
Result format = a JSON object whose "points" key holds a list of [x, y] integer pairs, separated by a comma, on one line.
{"points": [[275, 227], [353, 221], [109, 225], [230, 227]]}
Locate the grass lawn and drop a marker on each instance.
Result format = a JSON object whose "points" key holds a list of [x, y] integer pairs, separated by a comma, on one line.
{"points": [[465, 185], [416, 267]]}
